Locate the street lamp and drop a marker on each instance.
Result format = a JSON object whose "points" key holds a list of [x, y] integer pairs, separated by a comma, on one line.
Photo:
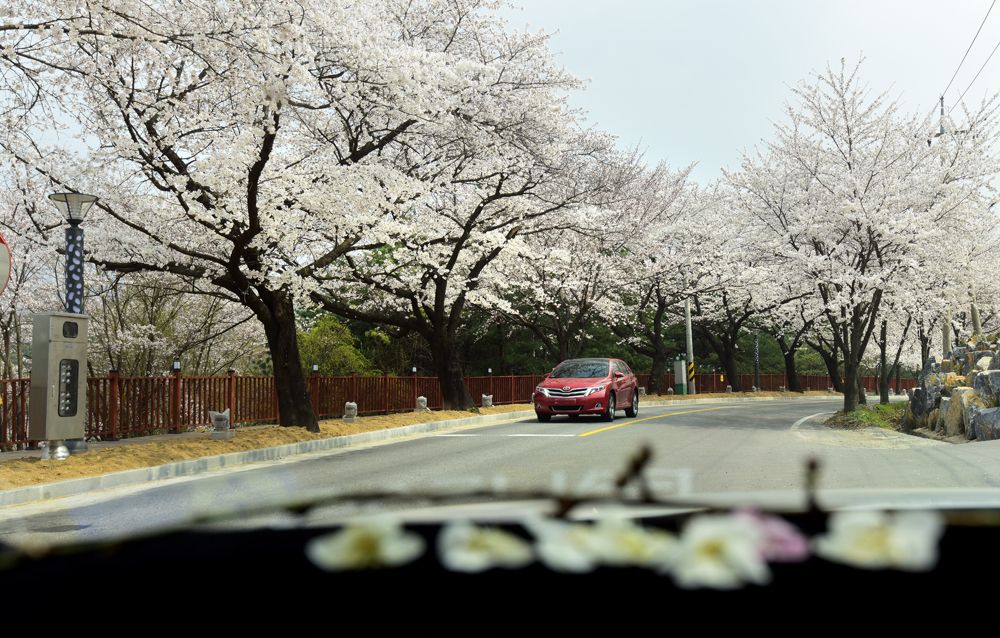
{"points": [[74, 207]]}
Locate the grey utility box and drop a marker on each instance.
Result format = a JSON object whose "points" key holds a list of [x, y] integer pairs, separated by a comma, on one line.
{"points": [[58, 397]]}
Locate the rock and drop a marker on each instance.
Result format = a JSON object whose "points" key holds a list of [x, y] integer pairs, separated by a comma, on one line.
{"points": [[939, 425], [953, 423], [931, 367], [971, 402], [982, 359], [987, 386], [950, 382], [487, 400], [995, 362], [948, 365], [350, 412], [925, 399], [987, 424]]}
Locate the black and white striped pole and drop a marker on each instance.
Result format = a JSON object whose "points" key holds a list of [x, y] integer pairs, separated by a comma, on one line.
{"points": [[756, 360], [74, 207]]}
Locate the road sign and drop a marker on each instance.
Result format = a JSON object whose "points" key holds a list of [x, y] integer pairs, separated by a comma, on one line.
{"points": [[5, 263]]}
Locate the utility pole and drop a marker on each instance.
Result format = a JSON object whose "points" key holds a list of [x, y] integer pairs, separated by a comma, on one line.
{"points": [[690, 345]]}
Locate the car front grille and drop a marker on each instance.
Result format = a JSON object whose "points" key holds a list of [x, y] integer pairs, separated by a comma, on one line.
{"points": [[565, 408], [559, 393]]}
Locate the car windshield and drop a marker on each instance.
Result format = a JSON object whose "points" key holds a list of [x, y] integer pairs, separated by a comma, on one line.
{"points": [[279, 266], [580, 369]]}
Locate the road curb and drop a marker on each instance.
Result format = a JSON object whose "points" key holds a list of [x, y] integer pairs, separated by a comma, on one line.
{"points": [[192, 467]]}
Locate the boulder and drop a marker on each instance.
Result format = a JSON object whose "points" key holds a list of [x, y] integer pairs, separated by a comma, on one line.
{"points": [[987, 386], [986, 423], [950, 382], [995, 362], [953, 423], [931, 367], [971, 402], [982, 359], [939, 425], [932, 418]]}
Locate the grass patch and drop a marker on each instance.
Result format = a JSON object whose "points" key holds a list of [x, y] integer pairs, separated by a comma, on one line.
{"points": [[887, 417]]}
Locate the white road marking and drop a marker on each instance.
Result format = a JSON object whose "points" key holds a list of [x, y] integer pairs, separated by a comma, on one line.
{"points": [[795, 426], [456, 435]]}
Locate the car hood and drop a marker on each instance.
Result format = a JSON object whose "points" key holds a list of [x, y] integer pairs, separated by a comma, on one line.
{"points": [[553, 382]]}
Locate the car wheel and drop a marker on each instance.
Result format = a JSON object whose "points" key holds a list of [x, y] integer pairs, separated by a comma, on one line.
{"points": [[609, 414], [543, 418], [633, 410]]}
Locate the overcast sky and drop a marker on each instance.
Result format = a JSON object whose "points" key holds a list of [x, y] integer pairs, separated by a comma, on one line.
{"points": [[701, 80]]}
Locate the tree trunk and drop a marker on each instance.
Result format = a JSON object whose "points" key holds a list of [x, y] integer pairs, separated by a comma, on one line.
{"points": [[832, 366], [294, 407], [454, 392], [884, 370], [896, 367], [729, 363], [850, 386], [791, 375], [862, 394], [925, 347], [657, 372]]}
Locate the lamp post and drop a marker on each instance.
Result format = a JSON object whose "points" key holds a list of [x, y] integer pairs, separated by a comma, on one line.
{"points": [[74, 207]]}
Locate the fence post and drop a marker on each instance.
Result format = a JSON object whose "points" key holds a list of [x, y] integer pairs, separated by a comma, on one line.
{"points": [[175, 399], [113, 389], [385, 392], [314, 389], [413, 400], [354, 387], [231, 395]]}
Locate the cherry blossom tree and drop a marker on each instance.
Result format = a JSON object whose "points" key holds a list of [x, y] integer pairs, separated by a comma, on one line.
{"points": [[873, 202], [281, 154]]}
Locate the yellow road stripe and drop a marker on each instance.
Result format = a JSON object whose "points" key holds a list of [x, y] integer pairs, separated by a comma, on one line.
{"points": [[648, 418]]}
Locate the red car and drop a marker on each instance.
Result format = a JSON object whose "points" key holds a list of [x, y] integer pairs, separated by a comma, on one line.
{"points": [[588, 386]]}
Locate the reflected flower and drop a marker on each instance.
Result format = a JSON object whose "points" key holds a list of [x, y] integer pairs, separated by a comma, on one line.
{"points": [[720, 552], [565, 547], [621, 542], [463, 547], [374, 543], [781, 542], [878, 540]]}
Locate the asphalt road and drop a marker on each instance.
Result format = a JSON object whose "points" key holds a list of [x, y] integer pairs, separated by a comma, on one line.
{"points": [[698, 449]]}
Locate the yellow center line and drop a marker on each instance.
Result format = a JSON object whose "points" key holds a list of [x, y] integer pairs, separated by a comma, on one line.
{"points": [[649, 418]]}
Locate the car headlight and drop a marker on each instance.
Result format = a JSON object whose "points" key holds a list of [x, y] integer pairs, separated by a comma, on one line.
{"points": [[542, 391], [596, 388]]}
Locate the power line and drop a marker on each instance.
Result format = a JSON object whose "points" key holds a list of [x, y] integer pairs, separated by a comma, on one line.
{"points": [[955, 74], [957, 102]]}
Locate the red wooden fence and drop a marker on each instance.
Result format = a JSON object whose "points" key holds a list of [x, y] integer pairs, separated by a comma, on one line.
{"points": [[120, 407]]}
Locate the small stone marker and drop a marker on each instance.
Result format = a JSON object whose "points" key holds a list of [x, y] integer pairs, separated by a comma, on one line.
{"points": [[670, 390], [350, 412], [487, 400], [642, 390], [220, 425], [421, 405], [729, 388]]}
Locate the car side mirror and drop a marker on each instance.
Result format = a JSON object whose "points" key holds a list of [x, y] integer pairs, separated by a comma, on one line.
{"points": [[619, 375]]}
